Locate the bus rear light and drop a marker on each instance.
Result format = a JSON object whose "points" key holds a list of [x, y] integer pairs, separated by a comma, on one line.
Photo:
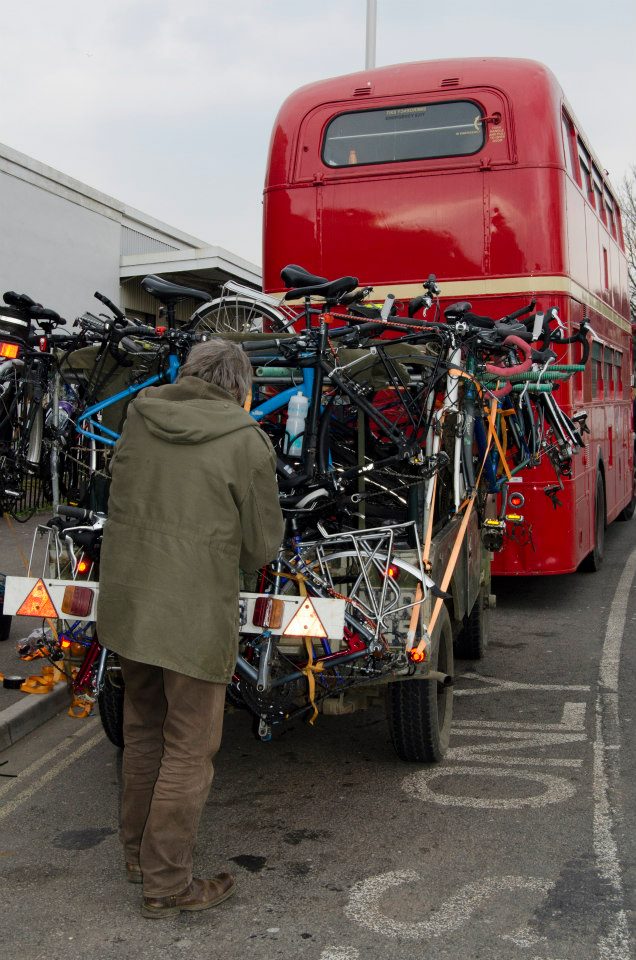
{"points": [[9, 351]]}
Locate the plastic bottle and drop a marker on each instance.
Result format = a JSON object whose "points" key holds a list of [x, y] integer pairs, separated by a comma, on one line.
{"points": [[67, 407], [296, 415]]}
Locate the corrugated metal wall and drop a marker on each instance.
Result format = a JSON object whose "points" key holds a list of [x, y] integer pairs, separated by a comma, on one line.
{"points": [[133, 241]]}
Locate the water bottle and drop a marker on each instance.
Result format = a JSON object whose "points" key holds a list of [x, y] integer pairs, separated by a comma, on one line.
{"points": [[66, 409], [296, 415]]}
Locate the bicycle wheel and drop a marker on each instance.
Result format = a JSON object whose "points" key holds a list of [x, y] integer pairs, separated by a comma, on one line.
{"points": [[239, 315], [379, 604]]}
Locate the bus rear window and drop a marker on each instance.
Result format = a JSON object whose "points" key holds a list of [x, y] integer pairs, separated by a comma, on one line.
{"points": [[419, 132]]}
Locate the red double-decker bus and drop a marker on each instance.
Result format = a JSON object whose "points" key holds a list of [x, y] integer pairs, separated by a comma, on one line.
{"points": [[475, 170]]}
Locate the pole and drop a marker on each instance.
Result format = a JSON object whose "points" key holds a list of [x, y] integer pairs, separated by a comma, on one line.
{"points": [[372, 12]]}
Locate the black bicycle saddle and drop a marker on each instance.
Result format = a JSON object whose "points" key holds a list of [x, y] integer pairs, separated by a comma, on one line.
{"points": [[328, 291], [166, 292], [295, 276]]}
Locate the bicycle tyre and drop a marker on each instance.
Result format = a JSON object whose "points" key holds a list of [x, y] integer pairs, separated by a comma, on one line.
{"points": [[239, 315], [111, 709], [420, 711]]}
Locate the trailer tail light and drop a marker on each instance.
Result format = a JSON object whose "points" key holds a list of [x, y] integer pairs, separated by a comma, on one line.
{"points": [[416, 656], [305, 623], [77, 601], [516, 500], [268, 613], [38, 603], [9, 351]]}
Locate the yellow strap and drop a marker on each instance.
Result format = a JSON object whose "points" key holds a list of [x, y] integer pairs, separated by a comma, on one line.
{"points": [[461, 533], [492, 432], [80, 708], [43, 682]]}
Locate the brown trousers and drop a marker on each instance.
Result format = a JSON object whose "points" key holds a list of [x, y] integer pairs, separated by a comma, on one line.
{"points": [[172, 732]]}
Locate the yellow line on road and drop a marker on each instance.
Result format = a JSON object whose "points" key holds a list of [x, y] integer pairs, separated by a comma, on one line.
{"points": [[80, 750]]}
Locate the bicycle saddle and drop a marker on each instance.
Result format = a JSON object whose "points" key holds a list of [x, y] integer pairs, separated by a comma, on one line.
{"points": [[294, 276], [328, 291], [166, 292], [456, 311]]}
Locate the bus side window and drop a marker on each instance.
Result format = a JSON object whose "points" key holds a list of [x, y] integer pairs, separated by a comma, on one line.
{"points": [[609, 213], [609, 366], [569, 146], [618, 372], [597, 185], [597, 369], [585, 165]]}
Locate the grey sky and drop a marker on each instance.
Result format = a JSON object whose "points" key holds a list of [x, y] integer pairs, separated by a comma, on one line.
{"points": [[168, 104]]}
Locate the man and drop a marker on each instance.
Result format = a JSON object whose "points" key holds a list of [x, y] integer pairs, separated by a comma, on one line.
{"points": [[193, 498]]}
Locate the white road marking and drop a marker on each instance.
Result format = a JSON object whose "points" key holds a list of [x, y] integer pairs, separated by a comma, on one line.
{"points": [[52, 772], [494, 685], [572, 718], [555, 789], [47, 757], [615, 943], [364, 903]]}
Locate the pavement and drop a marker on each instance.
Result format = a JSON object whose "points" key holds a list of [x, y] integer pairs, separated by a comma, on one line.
{"points": [[520, 845], [21, 713]]}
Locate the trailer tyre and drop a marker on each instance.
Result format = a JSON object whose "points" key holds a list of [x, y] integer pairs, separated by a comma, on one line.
{"points": [[472, 640], [594, 560], [111, 709], [420, 711]]}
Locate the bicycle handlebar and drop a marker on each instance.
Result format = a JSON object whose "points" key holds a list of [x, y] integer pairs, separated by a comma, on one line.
{"points": [[75, 513], [506, 372], [111, 306]]}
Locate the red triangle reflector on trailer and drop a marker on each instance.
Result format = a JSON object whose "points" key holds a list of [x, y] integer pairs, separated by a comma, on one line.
{"points": [[38, 603], [305, 622]]}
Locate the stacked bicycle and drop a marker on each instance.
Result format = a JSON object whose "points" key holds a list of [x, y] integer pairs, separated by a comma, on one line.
{"points": [[391, 433]]}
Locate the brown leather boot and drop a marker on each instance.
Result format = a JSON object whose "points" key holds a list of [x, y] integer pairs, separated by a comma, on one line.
{"points": [[200, 895]]}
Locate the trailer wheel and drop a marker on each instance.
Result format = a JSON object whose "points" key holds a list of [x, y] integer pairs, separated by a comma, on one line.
{"points": [[472, 640], [420, 711], [111, 708], [594, 560]]}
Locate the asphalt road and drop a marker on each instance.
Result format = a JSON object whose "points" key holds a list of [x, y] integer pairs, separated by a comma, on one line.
{"points": [[520, 846]]}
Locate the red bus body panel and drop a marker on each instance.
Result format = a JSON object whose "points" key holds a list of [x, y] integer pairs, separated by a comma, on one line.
{"points": [[497, 227]]}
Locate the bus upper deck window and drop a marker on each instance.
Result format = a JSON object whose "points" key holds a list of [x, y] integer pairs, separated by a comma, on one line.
{"points": [[417, 132]]}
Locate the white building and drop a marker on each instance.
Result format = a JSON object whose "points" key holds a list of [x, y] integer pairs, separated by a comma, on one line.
{"points": [[61, 240]]}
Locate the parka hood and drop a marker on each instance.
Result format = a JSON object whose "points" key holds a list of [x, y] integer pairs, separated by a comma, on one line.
{"points": [[190, 411]]}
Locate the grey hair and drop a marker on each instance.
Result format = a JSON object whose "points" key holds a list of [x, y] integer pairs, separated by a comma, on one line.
{"points": [[223, 363]]}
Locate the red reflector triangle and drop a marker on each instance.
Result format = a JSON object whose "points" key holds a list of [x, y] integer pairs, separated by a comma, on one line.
{"points": [[38, 603], [305, 622]]}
